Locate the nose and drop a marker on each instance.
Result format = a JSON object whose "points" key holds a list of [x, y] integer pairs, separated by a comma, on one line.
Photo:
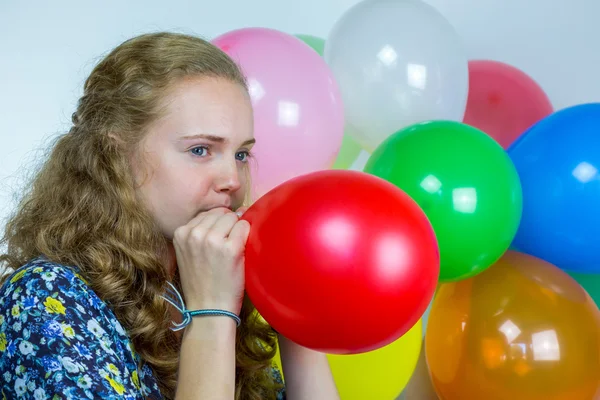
{"points": [[228, 177]]}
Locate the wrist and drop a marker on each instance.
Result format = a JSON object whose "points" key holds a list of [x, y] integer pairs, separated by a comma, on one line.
{"points": [[213, 305], [229, 305], [213, 328], [197, 311], [189, 314]]}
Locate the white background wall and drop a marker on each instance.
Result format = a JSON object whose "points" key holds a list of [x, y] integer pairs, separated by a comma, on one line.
{"points": [[48, 48]]}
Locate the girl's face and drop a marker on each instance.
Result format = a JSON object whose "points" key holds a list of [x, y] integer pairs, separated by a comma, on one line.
{"points": [[195, 157]]}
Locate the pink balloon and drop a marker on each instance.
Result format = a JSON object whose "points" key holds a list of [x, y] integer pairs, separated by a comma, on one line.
{"points": [[298, 110], [503, 101]]}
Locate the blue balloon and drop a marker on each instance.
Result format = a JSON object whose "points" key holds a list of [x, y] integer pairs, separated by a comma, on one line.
{"points": [[558, 161]]}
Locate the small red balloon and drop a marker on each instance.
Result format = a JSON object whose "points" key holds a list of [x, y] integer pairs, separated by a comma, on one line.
{"points": [[503, 101], [339, 261]]}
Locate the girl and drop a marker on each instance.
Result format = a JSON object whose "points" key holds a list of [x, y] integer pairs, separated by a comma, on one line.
{"points": [[139, 201]]}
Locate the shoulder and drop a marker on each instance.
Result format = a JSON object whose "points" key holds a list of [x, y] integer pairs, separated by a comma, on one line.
{"points": [[42, 291], [58, 336], [40, 271], [54, 285], [51, 299]]}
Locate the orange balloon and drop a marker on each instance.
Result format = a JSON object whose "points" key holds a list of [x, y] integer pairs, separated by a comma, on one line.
{"points": [[521, 330]]}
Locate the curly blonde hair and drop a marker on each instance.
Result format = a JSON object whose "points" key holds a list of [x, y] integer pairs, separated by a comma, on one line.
{"points": [[82, 209]]}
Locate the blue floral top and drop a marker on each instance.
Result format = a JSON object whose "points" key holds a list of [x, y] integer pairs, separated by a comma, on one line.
{"points": [[59, 340]]}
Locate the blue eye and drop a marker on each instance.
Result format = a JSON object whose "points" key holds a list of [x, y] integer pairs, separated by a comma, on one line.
{"points": [[242, 156], [200, 151]]}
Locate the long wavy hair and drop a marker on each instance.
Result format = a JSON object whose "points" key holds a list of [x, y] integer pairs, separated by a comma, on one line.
{"points": [[81, 207]]}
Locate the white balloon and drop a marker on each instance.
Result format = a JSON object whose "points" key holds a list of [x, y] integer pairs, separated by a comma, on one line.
{"points": [[397, 63]]}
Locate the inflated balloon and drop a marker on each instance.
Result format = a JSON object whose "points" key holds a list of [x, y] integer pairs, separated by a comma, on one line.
{"points": [[349, 152], [419, 386], [591, 283], [465, 183], [503, 101], [398, 62], [315, 42], [297, 105], [558, 161], [521, 330], [340, 261], [380, 374], [350, 149]]}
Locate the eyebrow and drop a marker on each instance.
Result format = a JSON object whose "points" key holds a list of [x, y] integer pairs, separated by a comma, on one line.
{"points": [[214, 138]]}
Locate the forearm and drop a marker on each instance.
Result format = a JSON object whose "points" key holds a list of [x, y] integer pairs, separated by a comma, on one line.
{"points": [[307, 373], [207, 360]]}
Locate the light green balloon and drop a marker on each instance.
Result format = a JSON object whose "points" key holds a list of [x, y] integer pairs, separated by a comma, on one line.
{"points": [[348, 153], [317, 43], [350, 148]]}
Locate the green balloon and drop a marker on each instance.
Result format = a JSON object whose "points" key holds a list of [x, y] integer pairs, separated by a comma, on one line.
{"points": [[317, 43], [591, 283], [465, 183]]}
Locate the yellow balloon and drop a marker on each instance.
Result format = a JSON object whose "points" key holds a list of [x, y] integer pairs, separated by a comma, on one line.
{"points": [[380, 374]]}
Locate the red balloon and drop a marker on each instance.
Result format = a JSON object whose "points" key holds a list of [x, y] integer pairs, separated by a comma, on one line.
{"points": [[339, 261], [503, 101]]}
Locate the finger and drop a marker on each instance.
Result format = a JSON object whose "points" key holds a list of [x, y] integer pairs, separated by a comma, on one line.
{"points": [[239, 233], [200, 224], [223, 225], [210, 215], [204, 228]]}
